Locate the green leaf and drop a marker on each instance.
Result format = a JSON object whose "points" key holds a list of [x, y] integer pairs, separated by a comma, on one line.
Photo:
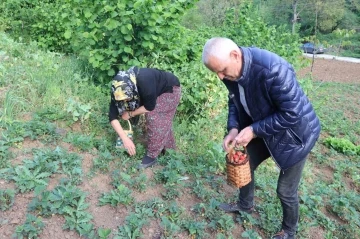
{"points": [[124, 30], [128, 49], [111, 24], [67, 34]]}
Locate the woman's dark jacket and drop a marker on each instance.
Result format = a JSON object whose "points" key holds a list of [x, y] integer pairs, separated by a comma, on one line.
{"points": [[281, 113]]}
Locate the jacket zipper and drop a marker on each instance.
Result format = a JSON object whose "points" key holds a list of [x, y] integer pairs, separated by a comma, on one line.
{"points": [[232, 96]]}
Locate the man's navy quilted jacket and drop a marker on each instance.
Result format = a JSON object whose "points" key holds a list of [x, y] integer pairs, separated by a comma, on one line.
{"points": [[281, 113]]}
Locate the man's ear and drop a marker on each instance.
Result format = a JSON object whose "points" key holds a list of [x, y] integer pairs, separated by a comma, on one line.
{"points": [[235, 55]]}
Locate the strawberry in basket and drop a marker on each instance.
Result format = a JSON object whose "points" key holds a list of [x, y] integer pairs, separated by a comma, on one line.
{"points": [[237, 155]]}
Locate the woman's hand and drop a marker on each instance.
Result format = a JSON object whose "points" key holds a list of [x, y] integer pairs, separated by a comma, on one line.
{"points": [[129, 146], [126, 115]]}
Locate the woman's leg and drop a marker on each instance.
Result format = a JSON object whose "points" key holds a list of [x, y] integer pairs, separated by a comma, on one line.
{"points": [[159, 123]]}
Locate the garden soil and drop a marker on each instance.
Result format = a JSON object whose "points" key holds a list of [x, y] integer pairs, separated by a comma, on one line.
{"points": [[109, 217]]}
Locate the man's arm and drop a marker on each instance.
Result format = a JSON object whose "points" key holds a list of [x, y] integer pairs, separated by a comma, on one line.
{"points": [[285, 94]]}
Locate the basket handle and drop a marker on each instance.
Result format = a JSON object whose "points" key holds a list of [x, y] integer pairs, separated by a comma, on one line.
{"points": [[231, 149], [130, 128]]}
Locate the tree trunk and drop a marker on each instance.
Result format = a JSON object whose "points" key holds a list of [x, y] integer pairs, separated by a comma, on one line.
{"points": [[295, 14]]}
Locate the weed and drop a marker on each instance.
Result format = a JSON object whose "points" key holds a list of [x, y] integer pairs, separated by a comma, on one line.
{"points": [[6, 199]]}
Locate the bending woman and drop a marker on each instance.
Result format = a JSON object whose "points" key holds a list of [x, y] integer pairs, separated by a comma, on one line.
{"points": [[152, 92]]}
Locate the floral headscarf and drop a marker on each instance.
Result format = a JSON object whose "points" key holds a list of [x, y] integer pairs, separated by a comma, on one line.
{"points": [[124, 91]]}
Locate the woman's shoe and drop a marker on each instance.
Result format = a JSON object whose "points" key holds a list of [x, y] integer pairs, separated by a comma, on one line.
{"points": [[147, 162]]}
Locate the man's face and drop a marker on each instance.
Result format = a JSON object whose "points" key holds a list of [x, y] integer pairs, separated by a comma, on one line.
{"points": [[228, 69]]}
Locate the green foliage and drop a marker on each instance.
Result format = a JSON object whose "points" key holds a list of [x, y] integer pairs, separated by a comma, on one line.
{"points": [[195, 228], [6, 199], [344, 146], [136, 182], [78, 110], [248, 29], [32, 227], [76, 218], [102, 161], [120, 33], [27, 180], [5, 155], [40, 130], [343, 36], [104, 233], [169, 228], [66, 200], [83, 142], [132, 227], [306, 84], [35, 172], [121, 195]]}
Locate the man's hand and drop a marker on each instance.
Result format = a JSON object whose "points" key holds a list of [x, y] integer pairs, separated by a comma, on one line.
{"points": [[129, 146], [229, 138], [244, 137]]}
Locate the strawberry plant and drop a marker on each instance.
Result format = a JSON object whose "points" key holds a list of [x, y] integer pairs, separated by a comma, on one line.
{"points": [[6, 199], [132, 227], [102, 161], [121, 195], [169, 228], [175, 212], [222, 223], [136, 182], [83, 142], [201, 191], [172, 191], [78, 110], [104, 233], [5, 155], [45, 131], [30, 229], [43, 204], [196, 229], [76, 218], [27, 180]]}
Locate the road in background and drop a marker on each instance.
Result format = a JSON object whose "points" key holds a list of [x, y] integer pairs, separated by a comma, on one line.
{"points": [[331, 57]]}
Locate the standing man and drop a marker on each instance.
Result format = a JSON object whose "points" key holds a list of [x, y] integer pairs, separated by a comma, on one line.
{"points": [[270, 115]]}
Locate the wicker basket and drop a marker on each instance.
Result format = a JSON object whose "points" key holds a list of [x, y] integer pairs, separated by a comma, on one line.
{"points": [[238, 175], [129, 133]]}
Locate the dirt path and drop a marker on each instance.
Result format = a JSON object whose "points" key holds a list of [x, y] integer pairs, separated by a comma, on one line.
{"points": [[333, 70]]}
